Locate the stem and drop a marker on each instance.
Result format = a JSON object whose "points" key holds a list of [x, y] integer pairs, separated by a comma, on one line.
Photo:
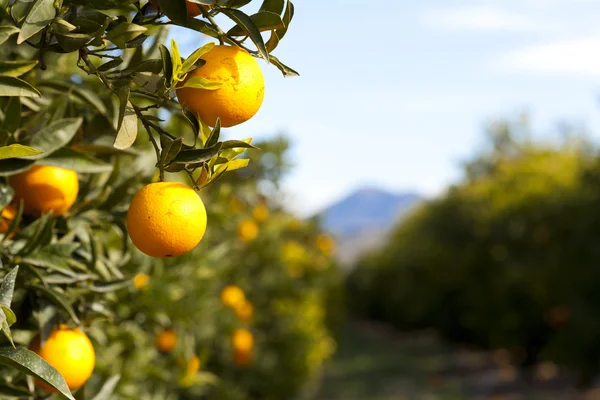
{"points": [[212, 21], [43, 66], [83, 55]]}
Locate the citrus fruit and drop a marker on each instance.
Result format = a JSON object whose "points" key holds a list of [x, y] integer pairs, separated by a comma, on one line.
{"points": [[8, 215], [193, 366], [242, 340], [45, 188], [141, 280], [70, 352], [326, 244], [166, 219], [241, 95], [166, 341], [260, 213], [232, 296], [193, 9], [247, 230], [244, 312]]}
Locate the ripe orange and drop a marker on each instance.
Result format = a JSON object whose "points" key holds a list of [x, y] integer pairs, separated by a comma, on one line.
{"points": [[140, 281], [166, 341], [70, 352], [260, 213], [193, 9], [242, 340], [232, 296], [166, 219], [193, 366], [247, 230], [241, 95], [46, 188], [8, 215]]}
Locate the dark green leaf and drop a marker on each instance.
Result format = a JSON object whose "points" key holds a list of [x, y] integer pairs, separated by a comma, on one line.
{"points": [[8, 287], [71, 159], [108, 388], [215, 134], [14, 166], [248, 26], [58, 299], [176, 10], [11, 86], [12, 114], [54, 136], [124, 33], [236, 144], [7, 31], [30, 363], [287, 71], [264, 21], [73, 41], [197, 155], [16, 68], [274, 6], [171, 150], [167, 64], [79, 92], [40, 16]]}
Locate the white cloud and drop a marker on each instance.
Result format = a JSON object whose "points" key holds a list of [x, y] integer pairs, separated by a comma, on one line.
{"points": [[579, 56], [482, 18]]}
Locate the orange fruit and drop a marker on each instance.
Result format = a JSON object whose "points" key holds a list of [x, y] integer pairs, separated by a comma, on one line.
{"points": [[242, 340], [193, 366], [166, 341], [8, 215], [70, 352], [45, 188], [260, 213], [166, 219], [326, 244], [241, 95], [244, 312], [193, 9], [247, 230], [232, 296], [141, 280]]}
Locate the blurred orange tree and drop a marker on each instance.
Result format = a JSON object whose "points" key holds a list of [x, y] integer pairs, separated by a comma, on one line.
{"points": [[506, 259], [94, 109]]}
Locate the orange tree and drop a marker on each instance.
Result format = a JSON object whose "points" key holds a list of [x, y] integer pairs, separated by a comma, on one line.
{"points": [[247, 315], [79, 80]]}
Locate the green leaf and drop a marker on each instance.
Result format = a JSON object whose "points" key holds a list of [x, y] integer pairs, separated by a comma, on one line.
{"points": [[167, 64], [54, 136], [287, 71], [7, 31], [176, 61], [264, 21], [274, 6], [127, 128], [171, 150], [232, 165], [280, 33], [14, 166], [248, 26], [197, 155], [125, 32], [8, 287], [199, 25], [237, 144], [215, 134], [14, 223], [73, 41], [16, 68], [7, 194], [58, 299], [176, 10], [16, 151], [13, 391], [27, 362], [108, 388], [199, 82], [40, 16], [71, 159], [110, 64], [12, 114], [11, 86], [79, 92], [195, 56]]}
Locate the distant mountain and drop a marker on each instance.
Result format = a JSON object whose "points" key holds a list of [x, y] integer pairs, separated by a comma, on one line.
{"points": [[362, 220]]}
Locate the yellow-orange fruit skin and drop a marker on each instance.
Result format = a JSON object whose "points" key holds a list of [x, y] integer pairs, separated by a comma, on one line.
{"points": [[46, 188], [241, 95]]}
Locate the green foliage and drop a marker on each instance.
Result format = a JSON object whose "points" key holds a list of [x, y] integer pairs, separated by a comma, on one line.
{"points": [[89, 86], [505, 259]]}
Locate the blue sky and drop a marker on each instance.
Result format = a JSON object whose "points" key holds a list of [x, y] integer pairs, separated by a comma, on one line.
{"points": [[398, 94]]}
